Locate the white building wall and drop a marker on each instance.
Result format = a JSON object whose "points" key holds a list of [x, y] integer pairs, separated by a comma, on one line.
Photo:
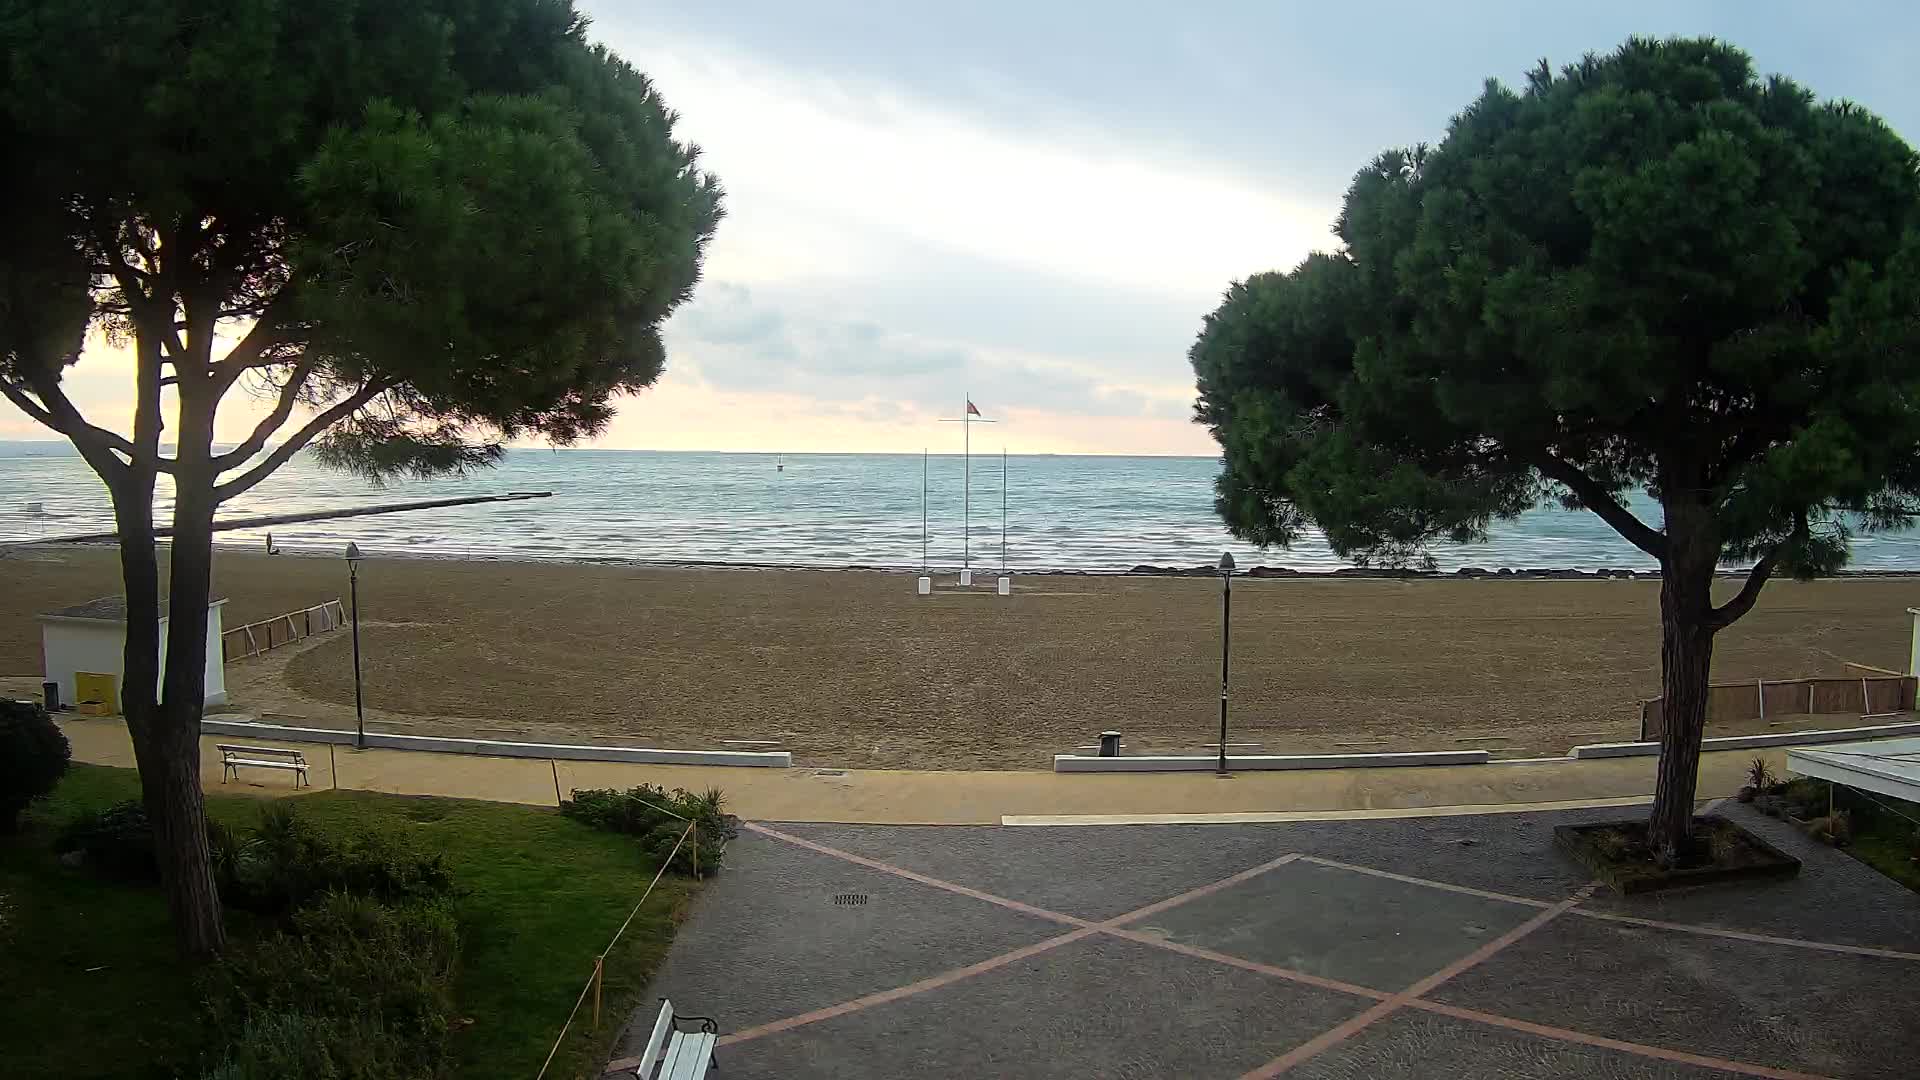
{"points": [[74, 645], [81, 646]]}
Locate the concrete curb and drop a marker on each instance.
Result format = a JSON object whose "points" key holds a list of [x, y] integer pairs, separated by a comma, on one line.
{"points": [[1751, 742], [1077, 763], [490, 748]]}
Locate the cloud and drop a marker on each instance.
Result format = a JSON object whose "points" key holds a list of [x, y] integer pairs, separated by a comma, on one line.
{"points": [[730, 342]]}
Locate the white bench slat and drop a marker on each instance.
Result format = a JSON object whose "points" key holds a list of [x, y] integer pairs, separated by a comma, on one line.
{"points": [[688, 1056], [230, 749], [662, 1027], [300, 766]]}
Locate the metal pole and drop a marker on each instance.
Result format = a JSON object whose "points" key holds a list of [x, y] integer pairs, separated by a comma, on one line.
{"points": [[1003, 509], [923, 510], [1226, 633], [359, 710], [966, 483]]}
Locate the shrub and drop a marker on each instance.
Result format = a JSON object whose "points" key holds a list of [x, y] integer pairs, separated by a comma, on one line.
{"points": [[280, 864], [33, 757], [285, 863], [117, 840], [658, 817], [357, 989]]}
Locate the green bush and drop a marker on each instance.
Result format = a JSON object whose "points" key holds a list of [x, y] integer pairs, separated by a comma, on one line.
{"points": [[284, 863], [33, 757], [658, 817], [278, 865], [357, 990], [117, 840]]}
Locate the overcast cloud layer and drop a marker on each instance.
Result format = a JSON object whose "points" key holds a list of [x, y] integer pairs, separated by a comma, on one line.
{"points": [[1034, 204]]}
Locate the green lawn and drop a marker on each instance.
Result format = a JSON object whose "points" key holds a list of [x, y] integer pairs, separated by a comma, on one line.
{"points": [[1886, 834], [94, 988]]}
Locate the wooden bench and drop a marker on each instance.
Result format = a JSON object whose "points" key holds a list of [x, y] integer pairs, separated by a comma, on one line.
{"points": [[262, 757], [679, 1055]]}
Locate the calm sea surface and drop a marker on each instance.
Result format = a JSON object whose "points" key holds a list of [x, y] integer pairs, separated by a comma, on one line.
{"points": [[1077, 513]]}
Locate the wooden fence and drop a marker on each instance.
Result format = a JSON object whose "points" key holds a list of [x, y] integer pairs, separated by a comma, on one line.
{"points": [[267, 634], [1757, 700]]}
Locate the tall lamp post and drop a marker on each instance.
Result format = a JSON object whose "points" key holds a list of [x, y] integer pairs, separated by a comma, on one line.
{"points": [[1226, 635], [353, 591]]}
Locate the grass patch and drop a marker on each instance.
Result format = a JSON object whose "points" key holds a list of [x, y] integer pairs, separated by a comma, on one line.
{"points": [[540, 896]]}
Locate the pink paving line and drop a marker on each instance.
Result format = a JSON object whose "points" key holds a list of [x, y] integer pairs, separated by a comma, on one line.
{"points": [[931, 983], [1352, 1026], [1428, 882], [901, 872], [1567, 1035], [1588, 913], [1742, 935], [1247, 965]]}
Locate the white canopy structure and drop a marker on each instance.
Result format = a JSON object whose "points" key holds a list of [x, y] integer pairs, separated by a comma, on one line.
{"points": [[1889, 767]]}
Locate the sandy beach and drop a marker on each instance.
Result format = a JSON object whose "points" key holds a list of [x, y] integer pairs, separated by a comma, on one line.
{"points": [[852, 669]]}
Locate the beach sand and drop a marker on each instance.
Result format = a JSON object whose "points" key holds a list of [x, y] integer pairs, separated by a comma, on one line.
{"points": [[852, 669]]}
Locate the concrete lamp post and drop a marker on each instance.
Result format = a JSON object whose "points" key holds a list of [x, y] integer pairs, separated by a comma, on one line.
{"points": [[353, 592], [1226, 637]]}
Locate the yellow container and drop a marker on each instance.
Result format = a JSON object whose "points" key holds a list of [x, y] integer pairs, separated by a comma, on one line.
{"points": [[94, 694]]}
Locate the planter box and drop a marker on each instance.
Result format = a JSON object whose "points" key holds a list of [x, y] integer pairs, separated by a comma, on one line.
{"points": [[1762, 861]]}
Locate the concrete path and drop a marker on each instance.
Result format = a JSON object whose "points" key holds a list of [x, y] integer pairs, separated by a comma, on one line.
{"points": [[955, 798], [1427, 947]]}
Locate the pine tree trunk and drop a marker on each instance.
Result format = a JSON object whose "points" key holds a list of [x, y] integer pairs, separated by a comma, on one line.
{"points": [[1686, 664], [174, 799]]}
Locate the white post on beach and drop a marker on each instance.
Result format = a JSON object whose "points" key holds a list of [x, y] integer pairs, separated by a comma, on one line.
{"points": [[1913, 657], [924, 586]]}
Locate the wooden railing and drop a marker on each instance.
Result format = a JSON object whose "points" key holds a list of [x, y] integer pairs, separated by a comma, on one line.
{"points": [[268, 634]]}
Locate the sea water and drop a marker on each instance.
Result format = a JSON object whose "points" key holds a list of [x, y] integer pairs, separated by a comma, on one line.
{"points": [[819, 510]]}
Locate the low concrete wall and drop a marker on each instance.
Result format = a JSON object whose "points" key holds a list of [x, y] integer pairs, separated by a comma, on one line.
{"points": [[490, 748], [1752, 742], [1145, 763]]}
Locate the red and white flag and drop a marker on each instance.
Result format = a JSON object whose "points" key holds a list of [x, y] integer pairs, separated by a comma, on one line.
{"points": [[972, 409]]}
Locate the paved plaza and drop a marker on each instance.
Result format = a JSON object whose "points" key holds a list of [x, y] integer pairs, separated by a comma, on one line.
{"points": [[1429, 947]]}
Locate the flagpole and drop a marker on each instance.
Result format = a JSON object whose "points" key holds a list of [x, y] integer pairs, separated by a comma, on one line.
{"points": [[1003, 509], [923, 510], [966, 483]]}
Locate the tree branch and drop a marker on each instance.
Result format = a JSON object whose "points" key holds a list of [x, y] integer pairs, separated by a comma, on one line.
{"points": [[282, 409], [1601, 502], [59, 414], [1730, 612], [333, 415]]}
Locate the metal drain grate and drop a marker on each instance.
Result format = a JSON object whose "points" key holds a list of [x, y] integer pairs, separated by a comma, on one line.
{"points": [[850, 899]]}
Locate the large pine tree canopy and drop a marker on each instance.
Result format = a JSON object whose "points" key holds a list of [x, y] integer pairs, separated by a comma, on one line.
{"points": [[445, 222], [1652, 270]]}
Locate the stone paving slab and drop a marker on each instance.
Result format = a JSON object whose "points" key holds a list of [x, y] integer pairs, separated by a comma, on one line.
{"points": [[1836, 1014], [1414, 1045], [1382, 934], [1098, 1007], [766, 943], [1094, 873], [767, 940]]}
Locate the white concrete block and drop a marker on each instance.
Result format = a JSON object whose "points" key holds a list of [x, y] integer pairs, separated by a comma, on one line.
{"points": [[1248, 762], [491, 748], [1005, 588], [966, 577], [924, 587]]}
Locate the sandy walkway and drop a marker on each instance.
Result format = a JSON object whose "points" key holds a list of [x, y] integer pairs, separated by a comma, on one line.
{"points": [[852, 669]]}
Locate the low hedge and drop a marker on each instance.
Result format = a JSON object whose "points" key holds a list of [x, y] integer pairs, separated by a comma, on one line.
{"points": [[659, 817]]}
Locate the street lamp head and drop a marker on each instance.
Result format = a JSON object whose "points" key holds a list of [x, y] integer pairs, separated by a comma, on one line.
{"points": [[1226, 562], [353, 552]]}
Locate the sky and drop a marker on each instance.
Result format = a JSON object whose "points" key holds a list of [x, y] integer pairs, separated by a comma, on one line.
{"points": [[1034, 205]]}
